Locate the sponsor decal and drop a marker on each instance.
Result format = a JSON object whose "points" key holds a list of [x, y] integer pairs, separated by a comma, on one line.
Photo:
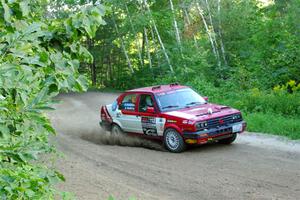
{"points": [[171, 121], [160, 124], [129, 106], [149, 126]]}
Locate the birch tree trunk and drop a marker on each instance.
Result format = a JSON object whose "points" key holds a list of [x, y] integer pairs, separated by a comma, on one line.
{"points": [[213, 32], [208, 33], [220, 33], [148, 48], [153, 37], [136, 39], [187, 16], [211, 22], [175, 24], [177, 32], [158, 37], [123, 46]]}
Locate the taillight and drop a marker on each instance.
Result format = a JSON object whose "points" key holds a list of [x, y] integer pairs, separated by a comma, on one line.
{"points": [[105, 115], [102, 114]]}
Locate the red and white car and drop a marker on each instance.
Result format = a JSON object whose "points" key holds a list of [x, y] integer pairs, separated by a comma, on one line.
{"points": [[173, 113]]}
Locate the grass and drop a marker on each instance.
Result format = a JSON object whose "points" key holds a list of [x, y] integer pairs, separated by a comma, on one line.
{"points": [[273, 124]]}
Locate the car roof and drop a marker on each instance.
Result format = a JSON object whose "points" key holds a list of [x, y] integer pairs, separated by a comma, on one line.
{"points": [[158, 88]]}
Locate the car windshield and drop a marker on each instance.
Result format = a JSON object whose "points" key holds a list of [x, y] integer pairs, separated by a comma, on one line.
{"points": [[177, 99]]}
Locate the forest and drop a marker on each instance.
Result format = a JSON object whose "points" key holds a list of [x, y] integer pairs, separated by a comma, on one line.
{"points": [[241, 53]]}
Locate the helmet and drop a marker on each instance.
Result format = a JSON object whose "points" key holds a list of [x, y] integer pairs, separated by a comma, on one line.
{"points": [[149, 101]]}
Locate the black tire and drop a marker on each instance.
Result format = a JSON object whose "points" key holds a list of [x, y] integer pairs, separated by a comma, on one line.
{"points": [[173, 141], [116, 130], [228, 140]]}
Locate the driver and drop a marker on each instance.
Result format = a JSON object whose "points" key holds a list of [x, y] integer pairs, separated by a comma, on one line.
{"points": [[147, 103]]}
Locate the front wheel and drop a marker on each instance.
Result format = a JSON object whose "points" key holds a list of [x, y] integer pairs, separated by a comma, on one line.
{"points": [[228, 140], [173, 141]]}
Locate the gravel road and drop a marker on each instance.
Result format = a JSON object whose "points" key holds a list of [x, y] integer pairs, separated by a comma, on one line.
{"points": [[96, 166]]}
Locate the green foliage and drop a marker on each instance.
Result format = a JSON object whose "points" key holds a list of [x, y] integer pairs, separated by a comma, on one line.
{"points": [[274, 124], [255, 100], [290, 87], [257, 70], [39, 58]]}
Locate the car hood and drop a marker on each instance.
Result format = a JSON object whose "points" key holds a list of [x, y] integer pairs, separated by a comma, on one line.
{"points": [[203, 112]]}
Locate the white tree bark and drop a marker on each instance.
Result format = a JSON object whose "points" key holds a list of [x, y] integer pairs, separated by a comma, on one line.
{"points": [[153, 37], [220, 33], [158, 37], [136, 39], [123, 46], [210, 37], [148, 48], [213, 31], [175, 24], [178, 39], [187, 16]]}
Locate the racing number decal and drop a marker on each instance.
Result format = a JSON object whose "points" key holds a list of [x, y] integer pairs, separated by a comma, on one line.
{"points": [[149, 126]]}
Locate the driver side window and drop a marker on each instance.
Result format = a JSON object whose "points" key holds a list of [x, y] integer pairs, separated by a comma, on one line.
{"points": [[145, 101]]}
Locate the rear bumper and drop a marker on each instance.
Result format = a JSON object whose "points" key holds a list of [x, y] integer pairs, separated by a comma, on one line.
{"points": [[105, 125], [202, 137]]}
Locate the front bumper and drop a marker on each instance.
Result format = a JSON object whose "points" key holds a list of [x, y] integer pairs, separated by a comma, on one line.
{"points": [[213, 134]]}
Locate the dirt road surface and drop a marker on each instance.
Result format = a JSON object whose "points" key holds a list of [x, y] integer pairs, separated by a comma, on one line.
{"points": [[97, 166]]}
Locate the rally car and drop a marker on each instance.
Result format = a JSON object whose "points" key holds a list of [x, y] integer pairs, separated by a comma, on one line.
{"points": [[173, 113]]}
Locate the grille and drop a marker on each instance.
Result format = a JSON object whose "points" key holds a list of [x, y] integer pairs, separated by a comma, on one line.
{"points": [[222, 121]]}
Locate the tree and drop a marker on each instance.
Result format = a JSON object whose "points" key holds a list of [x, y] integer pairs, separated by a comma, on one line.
{"points": [[39, 58]]}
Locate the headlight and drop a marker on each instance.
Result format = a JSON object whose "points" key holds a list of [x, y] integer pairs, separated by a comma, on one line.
{"points": [[236, 116], [188, 121], [201, 125]]}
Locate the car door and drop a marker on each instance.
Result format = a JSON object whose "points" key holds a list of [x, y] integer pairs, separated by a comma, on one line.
{"points": [[127, 114], [151, 123]]}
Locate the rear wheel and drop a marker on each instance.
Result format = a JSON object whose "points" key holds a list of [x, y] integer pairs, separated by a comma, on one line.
{"points": [[173, 141], [228, 140], [116, 130]]}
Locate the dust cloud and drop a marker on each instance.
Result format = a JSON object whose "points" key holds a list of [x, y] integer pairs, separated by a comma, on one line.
{"points": [[107, 138]]}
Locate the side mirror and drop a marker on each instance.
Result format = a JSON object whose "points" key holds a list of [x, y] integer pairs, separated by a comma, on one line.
{"points": [[206, 99], [150, 110]]}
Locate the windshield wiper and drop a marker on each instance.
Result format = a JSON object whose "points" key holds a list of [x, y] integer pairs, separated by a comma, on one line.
{"points": [[192, 103], [170, 106]]}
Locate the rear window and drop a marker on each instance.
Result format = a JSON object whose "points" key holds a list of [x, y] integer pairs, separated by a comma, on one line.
{"points": [[129, 102]]}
